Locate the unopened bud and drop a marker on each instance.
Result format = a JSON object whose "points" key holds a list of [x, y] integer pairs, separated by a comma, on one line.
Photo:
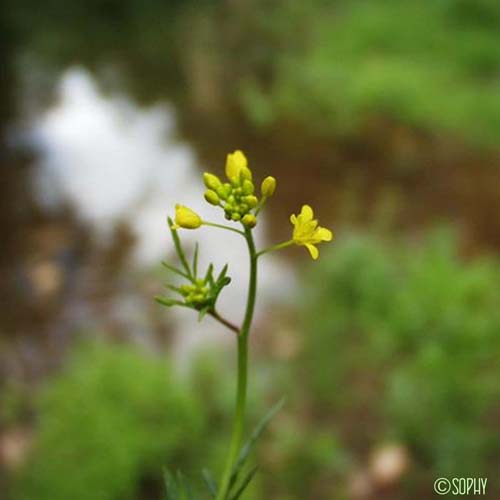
{"points": [[211, 181], [251, 201], [249, 220], [246, 174], [187, 218], [268, 186], [212, 197], [248, 187]]}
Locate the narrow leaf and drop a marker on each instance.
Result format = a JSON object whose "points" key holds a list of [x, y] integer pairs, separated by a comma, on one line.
{"points": [[195, 261], [171, 486], [165, 301], [223, 273], [210, 482], [184, 488], [246, 481], [259, 429], [203, 312], [178, 248], [174, 270], [174, 288]]}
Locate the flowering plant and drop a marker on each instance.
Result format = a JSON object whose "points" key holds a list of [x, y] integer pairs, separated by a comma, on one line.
{"points": [[241, 205]]}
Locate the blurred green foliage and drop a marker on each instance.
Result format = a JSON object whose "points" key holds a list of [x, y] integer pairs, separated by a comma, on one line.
{"points": [[107, 425], [330, 66], [430, 64], [400, 343], [406, 342]]}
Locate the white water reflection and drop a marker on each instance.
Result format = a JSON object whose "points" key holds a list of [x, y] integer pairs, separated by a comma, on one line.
{"points": [[114, 162]]}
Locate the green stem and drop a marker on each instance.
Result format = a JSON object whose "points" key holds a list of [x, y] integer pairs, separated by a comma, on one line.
{"points": [[279, 246], [239, 417], [222, 226], [224, 321]]}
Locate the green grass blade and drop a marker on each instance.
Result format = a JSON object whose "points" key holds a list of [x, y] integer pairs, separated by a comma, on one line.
{"points": [[247, 447], [210, 482], [246, 481], [171, 486]]}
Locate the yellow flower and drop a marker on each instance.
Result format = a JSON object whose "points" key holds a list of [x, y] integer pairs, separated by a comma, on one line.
{"points": [[306, 231], [235, 163], [186, 218]]}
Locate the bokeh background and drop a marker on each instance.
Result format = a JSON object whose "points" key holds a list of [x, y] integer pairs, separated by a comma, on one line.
{"points": [[384, 116]]}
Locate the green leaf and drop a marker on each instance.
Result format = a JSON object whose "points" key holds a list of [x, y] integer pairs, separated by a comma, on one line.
{"points": [[209, 276], [247, 447], [178, 248], [165, 301], [223, 273], [210, 482], [171, 485], [195, 261], [246, 481], [174, 288], [203, 312], [184, 488], [175, 270]]}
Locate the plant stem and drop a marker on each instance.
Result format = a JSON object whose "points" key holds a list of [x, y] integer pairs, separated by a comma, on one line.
{"points": [[222, 226], [279, 246], [241, 392], [224, 321]]}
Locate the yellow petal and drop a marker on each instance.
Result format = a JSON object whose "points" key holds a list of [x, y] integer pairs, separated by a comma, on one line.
{"points": [[324, 234], [313, 250], [307, 213], [293, 219], [234, 163]]}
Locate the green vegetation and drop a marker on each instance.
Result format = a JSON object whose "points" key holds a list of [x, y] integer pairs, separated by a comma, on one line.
{"points": [[429, 64], [399, 343], [106, 425], [328, 66], [409, 339]]}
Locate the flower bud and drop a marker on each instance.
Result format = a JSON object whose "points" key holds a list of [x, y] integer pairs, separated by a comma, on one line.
{"points": [[248, 187], [245, 174], [235, 216], [234, 163], [186, 218], [212, 197], [222, 192], [249, 220], [251, 201], [211, 181], [268, 186]]}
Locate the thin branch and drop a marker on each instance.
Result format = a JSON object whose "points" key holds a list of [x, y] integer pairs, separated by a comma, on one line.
{"points": [[222, 226], [279, 246], [224, 321]]}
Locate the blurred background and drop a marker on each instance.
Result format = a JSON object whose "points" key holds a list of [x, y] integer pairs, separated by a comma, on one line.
{"points": [[384, 116]]}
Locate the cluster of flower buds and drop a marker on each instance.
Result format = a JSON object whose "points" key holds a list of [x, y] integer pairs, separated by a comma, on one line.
{"points": [[198, 293], [237, 197]]}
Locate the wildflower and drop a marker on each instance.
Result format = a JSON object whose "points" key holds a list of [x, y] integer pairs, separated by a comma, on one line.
{"points": [[268, 186], [186, 218], [306, 231], [235, 163]]}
